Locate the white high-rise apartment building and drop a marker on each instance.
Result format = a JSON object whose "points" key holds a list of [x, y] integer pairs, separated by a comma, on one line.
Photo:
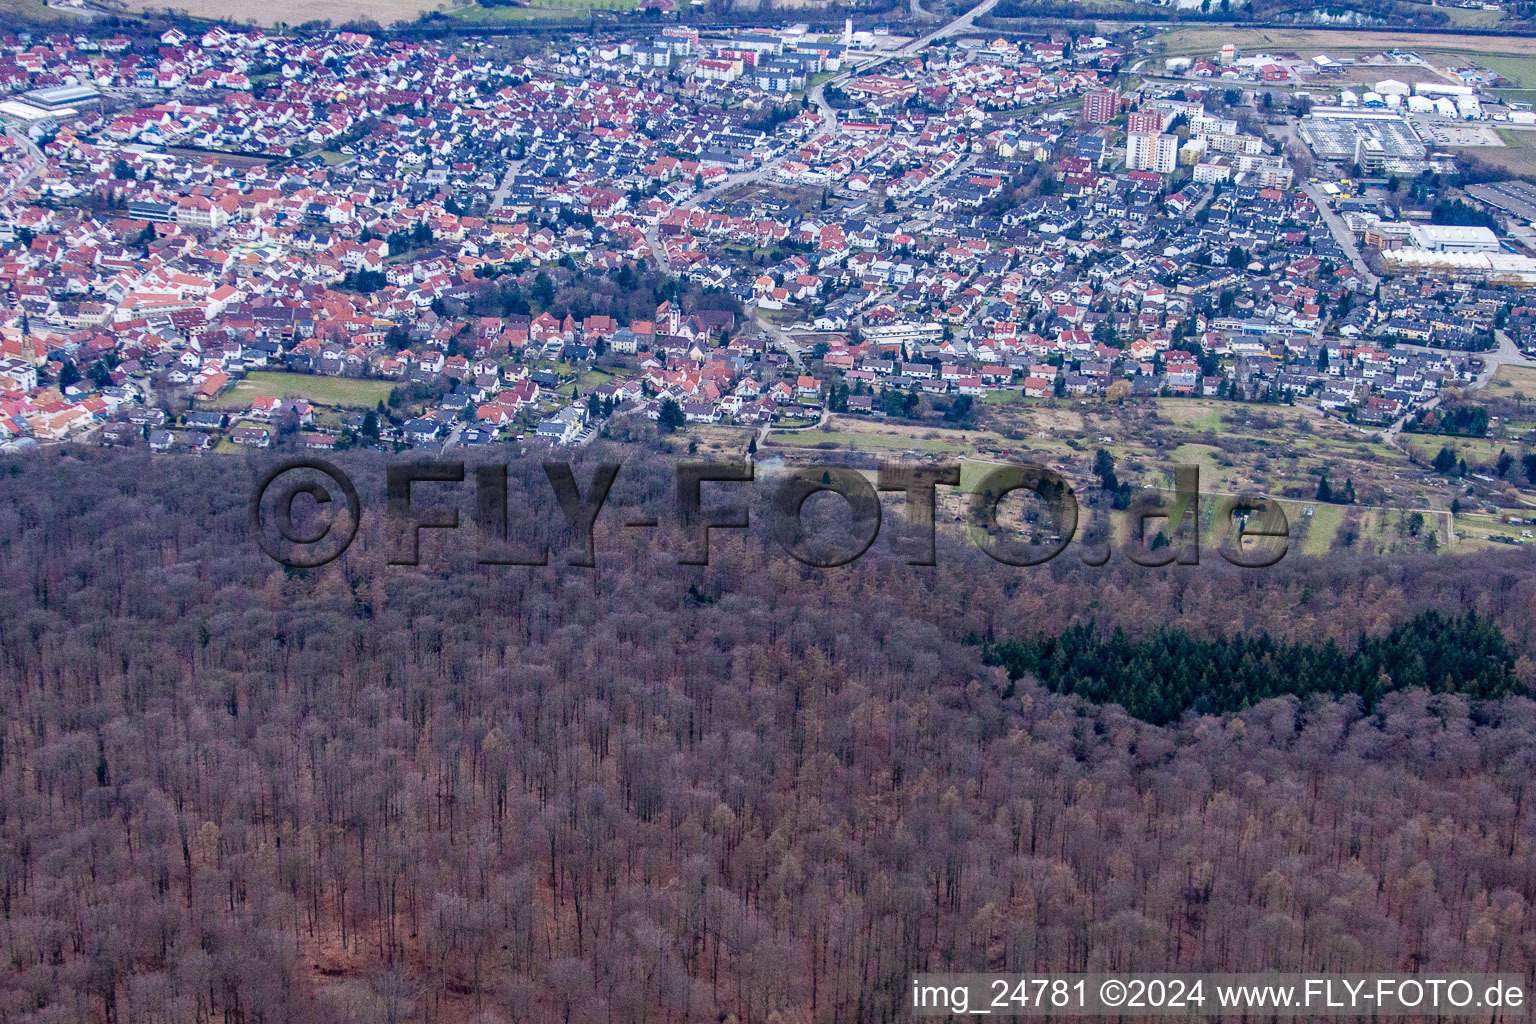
{"points": [[1146, 151]]}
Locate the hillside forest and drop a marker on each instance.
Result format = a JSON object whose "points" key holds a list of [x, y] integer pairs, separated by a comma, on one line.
{"points": [[753, 792]]}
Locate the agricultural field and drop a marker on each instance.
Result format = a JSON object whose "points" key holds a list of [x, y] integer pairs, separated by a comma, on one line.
{"points": [[385, 12], [1314, 528], [294, 12], [1475, 450], [1479, 531], [921, 442], [1519, 69], [340, 392], [1462, 17], [1504, 54], [1517, 155], [1512, 57]]}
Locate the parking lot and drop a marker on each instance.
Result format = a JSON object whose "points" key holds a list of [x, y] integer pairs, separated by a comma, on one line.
{"points": [[1441, 132]]}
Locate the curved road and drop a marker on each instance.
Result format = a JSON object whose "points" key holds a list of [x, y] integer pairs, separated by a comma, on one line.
{"points": [[1507, 354]]}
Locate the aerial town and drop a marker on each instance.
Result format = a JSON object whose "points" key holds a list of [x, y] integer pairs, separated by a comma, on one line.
{"points": [[217, 237], [922, 509]]}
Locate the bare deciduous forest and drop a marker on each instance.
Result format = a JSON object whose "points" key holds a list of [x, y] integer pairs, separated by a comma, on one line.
{"points": [[750, 792]]}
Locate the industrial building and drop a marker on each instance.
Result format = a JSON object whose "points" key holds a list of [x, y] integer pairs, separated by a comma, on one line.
{"points": [[1517, 198], [1370, 155], [1453, 238], [1442, 89], [1488, 269], [60, 98], [1334, 133], [25, 115]]}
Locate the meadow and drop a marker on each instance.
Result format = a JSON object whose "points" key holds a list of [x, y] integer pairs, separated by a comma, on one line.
{"points": [[340, 392]]}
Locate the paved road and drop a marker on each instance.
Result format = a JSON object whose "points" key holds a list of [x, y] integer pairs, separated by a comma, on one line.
{"points": [[38, 161], [1341, 232], [1206, 196], [963, 23], [1507, 354], [780, 337], [505, 188]]}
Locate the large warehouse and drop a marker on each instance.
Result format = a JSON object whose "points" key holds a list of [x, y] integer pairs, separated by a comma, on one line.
{"points": [[1335, 134], [58, 98], [1513, 197], [25, 114], [1453, 238]]}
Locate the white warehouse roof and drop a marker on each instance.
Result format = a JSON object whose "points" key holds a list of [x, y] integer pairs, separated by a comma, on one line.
{"points": [[1435, 236]]}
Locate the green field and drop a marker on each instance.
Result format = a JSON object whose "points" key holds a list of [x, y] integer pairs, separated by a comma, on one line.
{"points": [[1477, 531], [1476, 450], [583, 5], [1194, 413], [1319, 528], [1240, 449], [818, 78], [1462, 17], [32, 10], [330, 157], [1512, 382], [345, 392], [1521, 71]]}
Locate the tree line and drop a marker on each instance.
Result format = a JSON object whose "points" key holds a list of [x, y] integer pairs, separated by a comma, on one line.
{"points": [[1167, 672]]}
